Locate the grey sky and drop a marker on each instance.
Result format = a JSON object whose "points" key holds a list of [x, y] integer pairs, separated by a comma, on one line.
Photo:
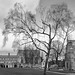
{"points": [[6, 5], [70, 3], [71, 6]]}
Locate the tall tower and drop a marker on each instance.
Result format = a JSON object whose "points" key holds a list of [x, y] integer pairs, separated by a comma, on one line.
{"points": [[70, 55]]}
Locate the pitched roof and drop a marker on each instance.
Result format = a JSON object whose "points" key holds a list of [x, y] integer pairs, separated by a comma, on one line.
{"points": [[6, 56]]}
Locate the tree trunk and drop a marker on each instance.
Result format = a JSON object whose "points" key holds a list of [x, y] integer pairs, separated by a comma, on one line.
{"points": [[45, 68], [57, 59]]}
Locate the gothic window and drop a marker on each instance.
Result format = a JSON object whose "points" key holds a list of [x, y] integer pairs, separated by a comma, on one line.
{"points": [[3, 58], [74, 59], [69, 43]]}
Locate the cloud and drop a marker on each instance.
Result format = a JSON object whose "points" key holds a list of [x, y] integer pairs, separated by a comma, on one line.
{"points": [[8, 46], [5, 6], [1, 39], [30, 5]]}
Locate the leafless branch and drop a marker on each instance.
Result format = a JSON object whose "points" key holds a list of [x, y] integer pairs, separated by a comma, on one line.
{"points": [[45, 23], [34, 42], [44, 43], [40, 32], [55, 31]]}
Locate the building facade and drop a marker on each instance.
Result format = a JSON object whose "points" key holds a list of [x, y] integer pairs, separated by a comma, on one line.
{"points": [[8, 61], [29, 56], [70, 55], [20, 59]]}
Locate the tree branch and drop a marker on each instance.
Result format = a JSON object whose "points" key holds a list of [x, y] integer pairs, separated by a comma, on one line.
{"points": [[55, 31], [42, 43], [44, 23], [34, 42], [40, 32]]}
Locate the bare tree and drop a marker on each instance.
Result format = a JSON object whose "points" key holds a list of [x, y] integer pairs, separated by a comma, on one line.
{"points": [[31, 55], [58, 49], [52, 20]]}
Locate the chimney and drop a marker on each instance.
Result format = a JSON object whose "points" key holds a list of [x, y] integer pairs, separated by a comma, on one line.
{"points": [[8, 54]]}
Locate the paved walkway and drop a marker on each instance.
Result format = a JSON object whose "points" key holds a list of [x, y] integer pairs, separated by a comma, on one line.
{"points": [[63, 72], [70, 74], [24, 71]]}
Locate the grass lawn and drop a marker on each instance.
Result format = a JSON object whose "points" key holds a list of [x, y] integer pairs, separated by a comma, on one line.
{"points": [[23, 71], [61, 71]]}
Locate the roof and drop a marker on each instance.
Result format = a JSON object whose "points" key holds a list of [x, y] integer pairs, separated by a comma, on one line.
{"points": [[6, 56]]}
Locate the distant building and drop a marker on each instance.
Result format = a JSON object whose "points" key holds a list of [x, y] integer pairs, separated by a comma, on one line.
{"points": [[29, 56], [20, 59], [70, 55], [8, 60]]}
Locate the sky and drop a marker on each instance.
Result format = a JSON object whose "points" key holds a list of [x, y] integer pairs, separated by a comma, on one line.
{"points": [[6, 5]]}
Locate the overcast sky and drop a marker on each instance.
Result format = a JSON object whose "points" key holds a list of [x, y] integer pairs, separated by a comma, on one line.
{"points": [[6, 5]]}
